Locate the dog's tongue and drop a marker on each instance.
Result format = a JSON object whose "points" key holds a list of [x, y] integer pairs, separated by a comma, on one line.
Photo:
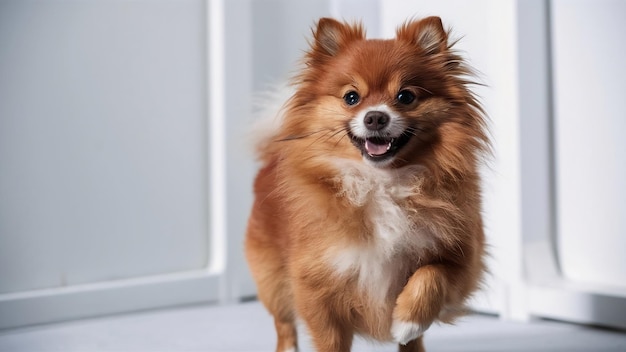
{"points": [[375, 148]]}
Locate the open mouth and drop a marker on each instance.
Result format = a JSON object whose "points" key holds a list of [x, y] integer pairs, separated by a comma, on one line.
{"points": [[380, 148]]}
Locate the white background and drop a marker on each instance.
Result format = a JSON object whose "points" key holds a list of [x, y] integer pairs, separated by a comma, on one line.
{"points": [[125, 169]]}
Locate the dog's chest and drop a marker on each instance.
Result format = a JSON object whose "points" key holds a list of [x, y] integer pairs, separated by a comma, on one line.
{"points": [[392, 241]]}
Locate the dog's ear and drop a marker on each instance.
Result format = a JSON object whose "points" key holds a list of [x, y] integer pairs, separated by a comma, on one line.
{"points": [[331, 35], [428, 34]]}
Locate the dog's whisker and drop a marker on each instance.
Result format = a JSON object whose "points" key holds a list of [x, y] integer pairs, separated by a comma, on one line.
{"points": [[306, 135], [345, 130], [424, 89], [322, 136], [339, 139]]}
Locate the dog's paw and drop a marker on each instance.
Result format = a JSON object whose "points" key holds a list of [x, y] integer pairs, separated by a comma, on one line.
{"points": [[405, 331]]}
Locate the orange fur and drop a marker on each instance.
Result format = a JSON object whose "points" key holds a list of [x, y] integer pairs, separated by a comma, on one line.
{"points": [[379, 248]]}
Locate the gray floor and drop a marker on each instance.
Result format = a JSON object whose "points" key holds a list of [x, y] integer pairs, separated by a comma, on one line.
{"points": [[247, 327]]}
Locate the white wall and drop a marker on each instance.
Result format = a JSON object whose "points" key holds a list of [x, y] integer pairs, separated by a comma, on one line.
{"points": [[577, 272]]}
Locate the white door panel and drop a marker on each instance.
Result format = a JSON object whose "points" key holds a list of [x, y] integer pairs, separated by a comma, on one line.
{"points": [[590, 118], [104, 158]]}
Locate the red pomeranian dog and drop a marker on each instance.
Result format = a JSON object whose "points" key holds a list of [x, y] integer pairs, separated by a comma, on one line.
{"points": [[367, 216]]}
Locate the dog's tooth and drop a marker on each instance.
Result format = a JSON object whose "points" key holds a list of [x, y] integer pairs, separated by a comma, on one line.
{"points": [[390, 143]]}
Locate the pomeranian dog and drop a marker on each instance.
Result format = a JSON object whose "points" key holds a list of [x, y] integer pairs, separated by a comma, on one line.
{"points": [[367, 212]]}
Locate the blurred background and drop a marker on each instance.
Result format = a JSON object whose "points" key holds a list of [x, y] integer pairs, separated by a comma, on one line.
{"points": [[126, 169]]}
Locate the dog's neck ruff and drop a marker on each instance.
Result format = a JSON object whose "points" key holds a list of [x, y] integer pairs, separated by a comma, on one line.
{"points": [[360, 182]]}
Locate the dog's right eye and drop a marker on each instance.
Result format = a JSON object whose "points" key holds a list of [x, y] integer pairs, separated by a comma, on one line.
{"points": [[351, 98]]}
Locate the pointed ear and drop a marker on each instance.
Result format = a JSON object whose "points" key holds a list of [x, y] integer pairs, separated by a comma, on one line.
{"points": [[428, 34], [331, 35]]}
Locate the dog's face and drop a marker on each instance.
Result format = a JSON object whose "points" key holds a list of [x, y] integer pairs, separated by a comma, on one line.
{"points": [[383, 93], [389, 102]]}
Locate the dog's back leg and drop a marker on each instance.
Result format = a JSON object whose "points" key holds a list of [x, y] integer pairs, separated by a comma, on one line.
{"points": [[274, 290], [266, 248]]}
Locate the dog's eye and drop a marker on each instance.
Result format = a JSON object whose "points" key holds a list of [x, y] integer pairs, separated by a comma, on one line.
{"points": [[351, 97], [405, 97]]}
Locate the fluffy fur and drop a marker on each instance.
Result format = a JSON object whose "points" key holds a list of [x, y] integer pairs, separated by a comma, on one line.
{"points": [[367, 216]]}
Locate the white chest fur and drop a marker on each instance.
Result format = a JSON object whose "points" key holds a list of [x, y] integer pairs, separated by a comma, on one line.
{"points": [[378, 262]]}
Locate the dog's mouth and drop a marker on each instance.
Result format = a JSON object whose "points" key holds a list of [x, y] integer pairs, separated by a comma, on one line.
{"points": [[380, 148]]}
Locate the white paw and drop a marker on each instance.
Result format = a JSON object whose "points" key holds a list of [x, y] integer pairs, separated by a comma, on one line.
{"points": [[405, 331]]}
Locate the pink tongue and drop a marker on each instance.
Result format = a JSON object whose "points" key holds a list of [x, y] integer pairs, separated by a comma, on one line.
{"points": [[376, 149]]}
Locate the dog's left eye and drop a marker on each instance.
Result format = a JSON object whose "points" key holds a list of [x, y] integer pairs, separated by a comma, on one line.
{"points": [[405, 97], [351, 98]]}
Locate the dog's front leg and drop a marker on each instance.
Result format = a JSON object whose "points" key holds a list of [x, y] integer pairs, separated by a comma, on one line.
{"points": [[418, 305], [416, 345], [327, 329]]}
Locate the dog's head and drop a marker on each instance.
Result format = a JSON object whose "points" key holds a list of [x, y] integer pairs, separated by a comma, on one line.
{"points": [[389, 102]]}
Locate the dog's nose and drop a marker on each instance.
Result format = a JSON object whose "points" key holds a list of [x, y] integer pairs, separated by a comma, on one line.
{"points": [[376, 120]]}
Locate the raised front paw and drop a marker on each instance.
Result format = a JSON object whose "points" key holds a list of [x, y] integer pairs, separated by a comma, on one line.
{"points": [[405, 331]]}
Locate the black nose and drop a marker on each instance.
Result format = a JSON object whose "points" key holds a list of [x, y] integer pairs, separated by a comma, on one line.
{"points": [[376, 120]]}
